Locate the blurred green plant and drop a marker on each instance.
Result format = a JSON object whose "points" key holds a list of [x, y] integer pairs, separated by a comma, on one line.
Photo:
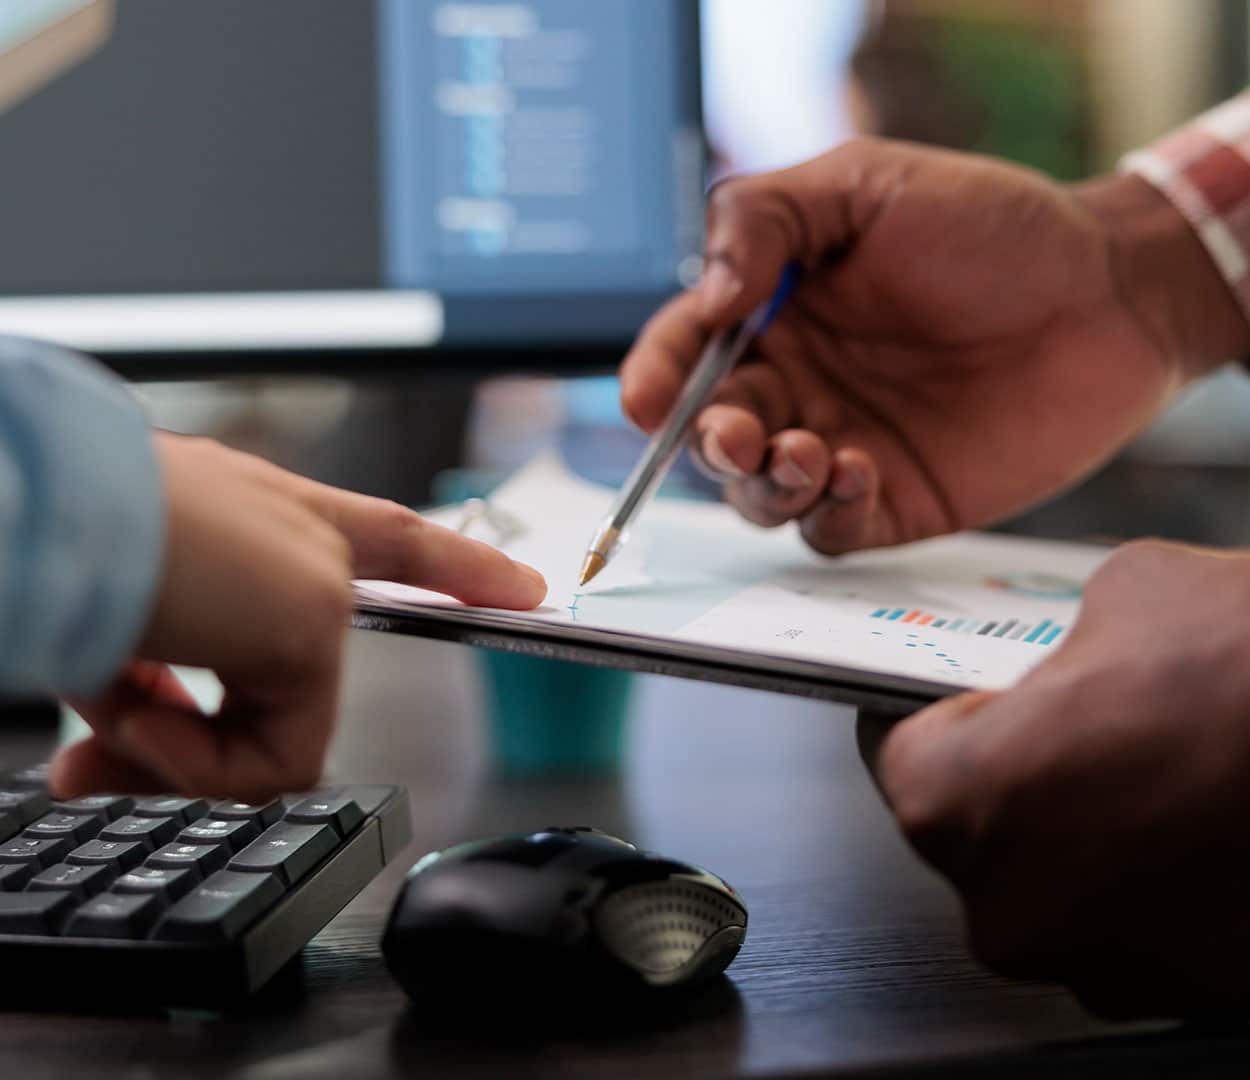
{"points": [[1029, 89]]}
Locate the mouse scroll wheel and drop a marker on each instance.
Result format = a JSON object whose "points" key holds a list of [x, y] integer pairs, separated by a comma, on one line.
{"points": [[658, 927], [576, 830], [585, 830]]}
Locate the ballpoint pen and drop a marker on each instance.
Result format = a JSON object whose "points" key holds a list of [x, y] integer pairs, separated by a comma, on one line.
{"points": [[718, 359]]}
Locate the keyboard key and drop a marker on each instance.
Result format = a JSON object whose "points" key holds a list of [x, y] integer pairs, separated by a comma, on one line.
{"points": [[150, 832], [38, 853], [78, 828], [184, 810], [9, 825], [220, 909], [34, 778], [14, 875], [235, 835], [27, 806], [80, 881], [168, 885], [369, 797], [110, 807], [337, 810], [289, 851], [114, 916], [121, 855], [34, 912], [260, 816], [203, 858]]}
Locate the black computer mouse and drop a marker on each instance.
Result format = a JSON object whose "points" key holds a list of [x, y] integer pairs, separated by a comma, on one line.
{"points": [[564, 915]]}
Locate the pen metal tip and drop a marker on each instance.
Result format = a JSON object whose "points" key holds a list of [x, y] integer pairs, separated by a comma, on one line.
{"points": [[593, 564]]}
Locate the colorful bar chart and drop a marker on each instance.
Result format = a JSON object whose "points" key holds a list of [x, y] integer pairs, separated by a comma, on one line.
{"points": [[1044, 632]]}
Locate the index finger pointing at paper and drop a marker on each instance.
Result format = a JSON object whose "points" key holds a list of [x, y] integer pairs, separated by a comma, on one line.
{"points": [[392, 542]]}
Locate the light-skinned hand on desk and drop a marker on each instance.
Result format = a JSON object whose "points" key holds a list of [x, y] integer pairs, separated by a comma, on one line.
{"points": [[969, 338], [256, 587]]}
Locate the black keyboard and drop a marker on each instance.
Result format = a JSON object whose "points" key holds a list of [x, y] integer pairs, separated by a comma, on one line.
{"points": [[178, 902]]}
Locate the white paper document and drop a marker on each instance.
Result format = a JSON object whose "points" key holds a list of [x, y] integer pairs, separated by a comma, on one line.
{"points": [[971, 610]]}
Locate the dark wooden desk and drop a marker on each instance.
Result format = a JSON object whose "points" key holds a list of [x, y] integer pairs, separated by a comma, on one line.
{"points": [[853, 964]]}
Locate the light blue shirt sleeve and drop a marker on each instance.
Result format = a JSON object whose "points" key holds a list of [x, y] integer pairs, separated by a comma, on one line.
{"points": [[82, 521]]}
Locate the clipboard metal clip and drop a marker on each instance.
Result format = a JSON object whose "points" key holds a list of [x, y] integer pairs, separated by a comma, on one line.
{"points": [[504, 526]]}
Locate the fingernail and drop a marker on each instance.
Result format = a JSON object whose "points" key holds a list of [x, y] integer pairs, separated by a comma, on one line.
{"points": [[714, 454], [786, 473], [718, 287], [849, 484]]}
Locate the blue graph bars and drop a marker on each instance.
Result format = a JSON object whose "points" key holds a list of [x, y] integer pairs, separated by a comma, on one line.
{"points": [[1038, 630], [1045, 632]]}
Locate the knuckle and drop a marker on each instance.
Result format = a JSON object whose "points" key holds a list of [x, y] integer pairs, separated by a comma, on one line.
{"points": [[313, 640], [402, 527], [1130, 561], [396, 517], [856, 147], [726, 199], [1157, 572]]}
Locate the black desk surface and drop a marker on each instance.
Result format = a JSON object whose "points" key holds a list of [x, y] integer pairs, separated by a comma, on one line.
{"points": [[853, 965]]}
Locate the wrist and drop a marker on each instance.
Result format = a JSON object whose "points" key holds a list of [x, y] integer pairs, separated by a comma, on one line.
{"points": [[1165, 275]]}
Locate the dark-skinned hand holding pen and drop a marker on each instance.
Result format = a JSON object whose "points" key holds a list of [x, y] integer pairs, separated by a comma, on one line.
{"points": [[968, 338]]}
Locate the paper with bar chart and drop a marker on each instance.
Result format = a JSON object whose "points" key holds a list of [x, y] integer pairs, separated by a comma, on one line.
{"points": [[974, 610]]}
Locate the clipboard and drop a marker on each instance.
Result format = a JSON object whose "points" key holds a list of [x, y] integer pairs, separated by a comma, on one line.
{"points": [[711, 597], [875, 691]]}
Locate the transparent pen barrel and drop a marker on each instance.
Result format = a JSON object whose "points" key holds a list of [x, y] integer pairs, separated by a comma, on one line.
{"points": [[714, 364]]}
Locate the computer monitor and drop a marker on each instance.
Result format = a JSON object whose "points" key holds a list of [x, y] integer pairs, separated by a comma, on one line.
{"points": [[191, 187]]}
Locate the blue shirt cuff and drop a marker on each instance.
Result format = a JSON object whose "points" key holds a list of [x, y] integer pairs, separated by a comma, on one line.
{"points": [[82, 521]]}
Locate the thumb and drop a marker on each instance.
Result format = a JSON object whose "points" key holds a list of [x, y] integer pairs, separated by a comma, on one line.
{"points": [[915, 757], [925, 778]]}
